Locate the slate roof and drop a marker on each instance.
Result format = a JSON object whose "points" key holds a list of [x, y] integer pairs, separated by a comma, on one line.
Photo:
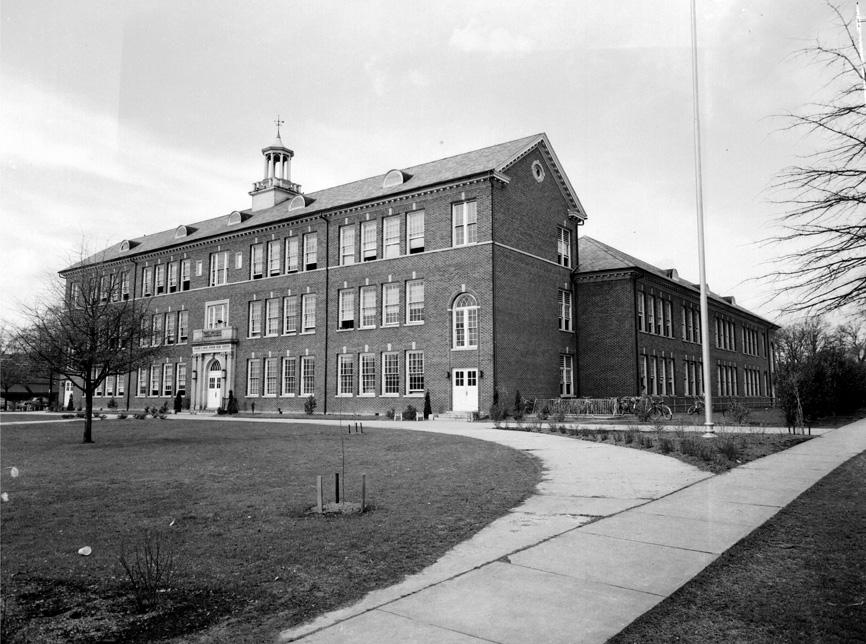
{"points": [[494, 158], [595, 256]]}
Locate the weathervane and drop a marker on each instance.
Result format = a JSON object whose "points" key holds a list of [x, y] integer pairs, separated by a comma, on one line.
{"points": [[278, 123]]}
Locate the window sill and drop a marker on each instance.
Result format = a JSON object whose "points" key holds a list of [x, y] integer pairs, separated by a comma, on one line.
{"points": [[287, 395], [390, 325], [345, 395], [421, 323], [415, 394], [366, 328], [372, 395], [308, 332], [390, 395], [475, 348]]}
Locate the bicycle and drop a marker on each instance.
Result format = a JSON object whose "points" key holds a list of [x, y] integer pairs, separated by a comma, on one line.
{"points": [[653, 408], [697, 407]]}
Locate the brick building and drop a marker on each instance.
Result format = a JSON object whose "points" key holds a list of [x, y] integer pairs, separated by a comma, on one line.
{"points": [[639, 331], [454, 277]]}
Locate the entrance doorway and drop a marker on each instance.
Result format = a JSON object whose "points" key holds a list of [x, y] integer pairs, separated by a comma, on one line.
{"points": [[465, 389], [214, 385]]}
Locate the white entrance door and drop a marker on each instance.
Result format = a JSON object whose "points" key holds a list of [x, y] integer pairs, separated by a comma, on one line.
{"points": [[67, 393], [465, 389], [214, 385]]}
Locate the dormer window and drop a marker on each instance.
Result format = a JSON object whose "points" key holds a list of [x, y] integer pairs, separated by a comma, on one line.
{"points": [[183, 231], [125, 245], [299, 201], [395, 178], [235, 218]]}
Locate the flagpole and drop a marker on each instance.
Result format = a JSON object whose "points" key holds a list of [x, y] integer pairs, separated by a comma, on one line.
{"points": [[699, 198]]}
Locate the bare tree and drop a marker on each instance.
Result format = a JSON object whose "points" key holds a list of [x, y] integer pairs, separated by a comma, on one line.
{"points": [[15, 366], [825, 223], [93, 330]]}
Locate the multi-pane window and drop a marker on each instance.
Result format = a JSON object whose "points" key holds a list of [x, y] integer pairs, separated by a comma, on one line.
{"points": [[216, 315], [669, 329], [691, 322], [310, 251], [347, 245], [167, 380], [641, 311], [121, 384], [653, 383], [124, 285], [308, 312], [172, 277], [272, 316], [345, 374], [464, 223], [368, 375], [181, 379], [274, 257], [347, 308], [651, 314], [391, 236], [198, 267], [308, 375], [257, 261], [219, 268], [390, 374], [290, 314], [564, 300], [726, 380], [182, 326], [692, 377], [415, 302], [368, 307], [415, 232], [725, 334], [155, 373], [239, 260], [271, 376], [670, 379], [104, 288], [291, 254], [170, 328], [563, 247], [255, 321], [566, 375], [142, 382], [109, 385], [254, 377], [185, 266], [465, 325], [390, 304], [146, 281], [751, 343], [414, 372], [290, 380], [144, 333], [156, 330], [643, 374], [368, 241], [159, 280]]}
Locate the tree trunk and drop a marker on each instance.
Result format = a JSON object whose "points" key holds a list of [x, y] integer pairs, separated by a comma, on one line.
{"points": [[88, 417]]}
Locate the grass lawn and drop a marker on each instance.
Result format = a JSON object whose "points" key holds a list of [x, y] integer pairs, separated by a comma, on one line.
{"points": [[801, 577], [230, 499]]}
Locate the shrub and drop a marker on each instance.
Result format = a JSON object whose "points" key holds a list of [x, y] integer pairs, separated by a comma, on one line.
{"points": [[139, 416], [69, 405], [496, 413], [80, 414], [737, 411], [121, 416], [410, 413], [389, 413], [112, 403], [666, 446], [428, 408], [232, 405], [728, 447], [101, 416], [310, 406], [149, 568], [629, 436], [559, 416], [518, 406]]}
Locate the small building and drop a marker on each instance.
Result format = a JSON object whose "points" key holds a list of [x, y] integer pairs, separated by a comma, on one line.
{"points": [[639, 330]]}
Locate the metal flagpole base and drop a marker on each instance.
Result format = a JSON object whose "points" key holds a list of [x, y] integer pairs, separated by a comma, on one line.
{"points": [[710, 433]]}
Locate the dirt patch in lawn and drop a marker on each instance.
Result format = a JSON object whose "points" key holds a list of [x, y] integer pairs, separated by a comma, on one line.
{"points": [[229, 500]]}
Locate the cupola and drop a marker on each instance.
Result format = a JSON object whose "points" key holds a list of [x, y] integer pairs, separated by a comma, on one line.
{"points": [[276, 185]]}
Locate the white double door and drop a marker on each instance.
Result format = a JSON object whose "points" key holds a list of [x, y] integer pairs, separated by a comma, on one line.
{"points": [[464, 383]]}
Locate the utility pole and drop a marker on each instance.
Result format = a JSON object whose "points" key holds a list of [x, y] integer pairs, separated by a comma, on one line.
{"points": [[699, 198]]}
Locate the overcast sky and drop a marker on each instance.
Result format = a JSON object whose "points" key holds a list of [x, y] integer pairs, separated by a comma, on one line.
{"points": [[126, 118]]}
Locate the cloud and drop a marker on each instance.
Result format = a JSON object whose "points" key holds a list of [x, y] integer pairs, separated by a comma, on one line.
{"points": [[377, 75], [480, 38]]}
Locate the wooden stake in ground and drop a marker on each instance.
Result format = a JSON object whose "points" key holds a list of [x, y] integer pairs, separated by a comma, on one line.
{"points": [[319, 503], [363, 492]]}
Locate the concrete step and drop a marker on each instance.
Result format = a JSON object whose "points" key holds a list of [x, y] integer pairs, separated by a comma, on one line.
{"points": [[465, 416]]}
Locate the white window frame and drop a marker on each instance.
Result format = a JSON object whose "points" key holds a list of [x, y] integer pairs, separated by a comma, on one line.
{"points": [[464, 323], [367, 375], [345, 375], [173, 272], [311, 251], [415, 302], [168, 380], [271, 377], [347, 245], [290, 305], [289, 380], [292, 255], [185, 269], [257, 261], [272, 316], [390, 304], [273, 260], [254, 377], [464, 223], [414, 232], [180, 374], [390, 374], [255, 320], [159, 279], [391, 236], [308, 313], [369, 245], [146, 282], [308, 375], [414, 370], [565, 310], [368, 309], [563, 246], [155, 384], [212, 316], [143, 382], [566, 375], [219, 268], [346, 306], [170, 328], [182, 326]]}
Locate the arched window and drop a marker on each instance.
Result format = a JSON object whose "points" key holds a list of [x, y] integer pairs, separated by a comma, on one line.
{"points": [[215, 365], [465, 322]]}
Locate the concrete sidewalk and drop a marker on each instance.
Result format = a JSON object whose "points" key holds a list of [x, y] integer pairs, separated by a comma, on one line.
{"points": [[549, 572]]}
